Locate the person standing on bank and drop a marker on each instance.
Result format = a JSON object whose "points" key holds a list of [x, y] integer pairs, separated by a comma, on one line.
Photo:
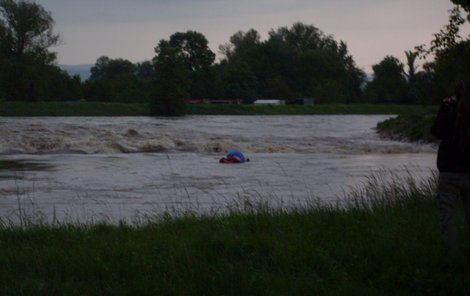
{"points": [[452, 127]]}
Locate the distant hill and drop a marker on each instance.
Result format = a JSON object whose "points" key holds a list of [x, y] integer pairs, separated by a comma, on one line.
{"points": [[81, 70]]}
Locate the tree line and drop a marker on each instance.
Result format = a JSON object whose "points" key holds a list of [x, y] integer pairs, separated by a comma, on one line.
{"points": [[293, 62]]}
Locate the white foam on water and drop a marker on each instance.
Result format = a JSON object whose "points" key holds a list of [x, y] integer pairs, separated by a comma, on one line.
{"points": [[202, 134], [93, 168]]}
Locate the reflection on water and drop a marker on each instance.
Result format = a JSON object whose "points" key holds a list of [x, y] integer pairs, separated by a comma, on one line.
{"points": [[23, 165], [9, 169], [294, 159]]}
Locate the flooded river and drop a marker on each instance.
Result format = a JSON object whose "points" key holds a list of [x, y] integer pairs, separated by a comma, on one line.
{"points": [[88, 169]]}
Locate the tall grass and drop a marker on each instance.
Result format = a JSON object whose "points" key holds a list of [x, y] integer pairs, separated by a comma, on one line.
{"points": [[382, 239], [391, 190]]}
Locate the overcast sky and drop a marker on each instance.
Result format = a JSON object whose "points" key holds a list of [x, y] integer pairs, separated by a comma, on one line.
{"points": [[130, 29]]}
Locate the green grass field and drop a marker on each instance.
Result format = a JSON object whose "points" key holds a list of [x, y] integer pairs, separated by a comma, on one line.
{"points": [[384, 241], [71, 109]]}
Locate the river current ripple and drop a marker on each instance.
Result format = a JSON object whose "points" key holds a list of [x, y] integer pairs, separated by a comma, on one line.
{"points": [[88, 169]]}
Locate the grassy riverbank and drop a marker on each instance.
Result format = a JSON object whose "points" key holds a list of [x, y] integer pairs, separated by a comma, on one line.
{"points": [[72, 109], [384, 242], [325, 109], [120, 109], [408, 127]]}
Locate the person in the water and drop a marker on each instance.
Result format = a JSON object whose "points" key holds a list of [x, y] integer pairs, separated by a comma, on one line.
{"points": [[234, 156]]}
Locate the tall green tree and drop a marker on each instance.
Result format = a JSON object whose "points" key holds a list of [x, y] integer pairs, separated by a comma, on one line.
{"points": [[389, 83], [240, 66], [116, 80], [27, 70], [450, 67], [296, 61], [191, 49], [411, 75], [106, 68], [465, 4], [172, 82], [241, 44], [450, 57], [452, 52], [447, 37], [411, 63], [145, 70], [321, 64], [183, 70], [26, 30], [273, 64], [302, 37]]}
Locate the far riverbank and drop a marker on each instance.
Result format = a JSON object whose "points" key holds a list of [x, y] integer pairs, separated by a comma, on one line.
{"points": [[122, 109]]}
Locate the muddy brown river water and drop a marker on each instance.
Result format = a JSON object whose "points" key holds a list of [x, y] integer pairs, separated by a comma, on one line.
{"points": [[90, 169]]}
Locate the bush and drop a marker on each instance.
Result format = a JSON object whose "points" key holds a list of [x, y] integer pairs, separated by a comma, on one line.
{"points": [[408, 127], [168, 100]]}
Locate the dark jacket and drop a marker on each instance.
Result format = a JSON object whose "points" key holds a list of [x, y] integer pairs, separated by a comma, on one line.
{"points": [[450, 157]]}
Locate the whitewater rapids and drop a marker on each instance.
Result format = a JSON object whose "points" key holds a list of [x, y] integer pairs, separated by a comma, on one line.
{"points": [[89, 169]]}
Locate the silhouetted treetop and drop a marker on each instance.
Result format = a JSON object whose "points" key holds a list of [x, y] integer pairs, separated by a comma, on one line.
{"points": [[26, 29]]}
